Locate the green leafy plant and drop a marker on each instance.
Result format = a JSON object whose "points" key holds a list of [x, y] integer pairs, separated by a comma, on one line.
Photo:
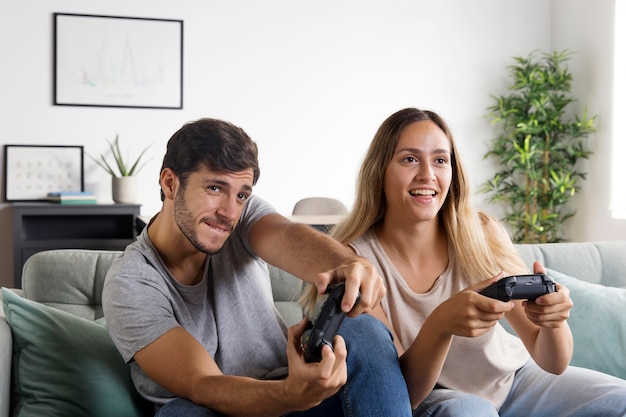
{"points": [[538, 148], [122, 167]]}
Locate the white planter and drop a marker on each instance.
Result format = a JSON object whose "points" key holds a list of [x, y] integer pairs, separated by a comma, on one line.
{"points": [[125, 190]]}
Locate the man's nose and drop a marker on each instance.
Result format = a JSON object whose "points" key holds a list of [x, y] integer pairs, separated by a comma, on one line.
{"points": [[228, 208]]}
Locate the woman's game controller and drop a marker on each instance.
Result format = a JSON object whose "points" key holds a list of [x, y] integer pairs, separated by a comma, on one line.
{"points": [[520, 287]]}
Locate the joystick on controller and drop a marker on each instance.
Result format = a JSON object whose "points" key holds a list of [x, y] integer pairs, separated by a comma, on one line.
{"points": [[520, 287], [325, 327]]}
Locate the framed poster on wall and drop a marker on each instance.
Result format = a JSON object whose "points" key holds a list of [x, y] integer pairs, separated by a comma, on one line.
{"points": [[113, 61], [33, 171]]}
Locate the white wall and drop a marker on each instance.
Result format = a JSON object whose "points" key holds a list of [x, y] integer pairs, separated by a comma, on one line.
{"points": [[589, 29], [309, 81]]}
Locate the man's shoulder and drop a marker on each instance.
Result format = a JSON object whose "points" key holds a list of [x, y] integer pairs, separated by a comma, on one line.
{"points": [[257, 204], [256, 208], [137, 259]]}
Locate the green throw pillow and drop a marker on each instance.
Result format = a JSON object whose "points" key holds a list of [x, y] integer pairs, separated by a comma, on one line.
{"points": [[598, 324], [64, 365]]}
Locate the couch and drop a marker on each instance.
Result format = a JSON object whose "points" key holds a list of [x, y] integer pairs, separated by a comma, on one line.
{"points": [[57, 357]]}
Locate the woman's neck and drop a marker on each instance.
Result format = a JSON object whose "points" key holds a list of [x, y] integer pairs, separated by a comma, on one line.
{"points": [[419, 252]]}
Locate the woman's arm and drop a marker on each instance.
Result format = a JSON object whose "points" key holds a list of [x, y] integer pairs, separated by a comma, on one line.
{"points": [[541, 325], [422, 363], [466, 314]]}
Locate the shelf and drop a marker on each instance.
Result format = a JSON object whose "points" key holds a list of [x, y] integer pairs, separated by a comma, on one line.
{"points": [[43, 226]]}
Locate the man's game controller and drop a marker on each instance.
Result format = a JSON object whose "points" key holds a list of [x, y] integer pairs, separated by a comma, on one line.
{"points": [[520, 287], [325, 327]]}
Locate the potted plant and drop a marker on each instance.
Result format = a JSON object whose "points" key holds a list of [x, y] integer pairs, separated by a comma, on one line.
{"points": [[538, 148], [123, 180]]}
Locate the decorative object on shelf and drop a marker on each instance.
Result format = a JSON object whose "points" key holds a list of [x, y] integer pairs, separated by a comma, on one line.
{"points": [[116, 61], [125, 189], [72, 197], [124, 184], [538, 148], [32, 171]]}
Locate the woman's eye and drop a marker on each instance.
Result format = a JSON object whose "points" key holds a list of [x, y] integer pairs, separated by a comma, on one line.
{"points": [[410, 159]]}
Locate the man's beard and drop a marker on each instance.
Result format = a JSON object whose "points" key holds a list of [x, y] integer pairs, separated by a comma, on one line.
{"points": [[184, 221]]}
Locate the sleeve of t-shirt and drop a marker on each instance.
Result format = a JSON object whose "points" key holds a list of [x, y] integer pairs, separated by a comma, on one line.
{"points": [[255, 209], [132, 291]]}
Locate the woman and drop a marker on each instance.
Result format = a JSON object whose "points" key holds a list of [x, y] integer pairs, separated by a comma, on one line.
{"points": [[412, 217]]}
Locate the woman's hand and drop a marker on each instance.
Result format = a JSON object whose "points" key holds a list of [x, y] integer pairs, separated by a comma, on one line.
{"points": [[550, 310], [470, 314]]}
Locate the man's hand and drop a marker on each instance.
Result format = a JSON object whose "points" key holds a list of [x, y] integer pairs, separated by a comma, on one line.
{"points": [[360, 276], [304, 252], [308, 384]]}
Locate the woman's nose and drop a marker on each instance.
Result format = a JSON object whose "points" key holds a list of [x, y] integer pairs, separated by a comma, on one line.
{"points": [[425, 172]]}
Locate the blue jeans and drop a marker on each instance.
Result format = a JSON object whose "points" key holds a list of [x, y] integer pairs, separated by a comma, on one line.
{"points": [[375, 386], [578, 392]]}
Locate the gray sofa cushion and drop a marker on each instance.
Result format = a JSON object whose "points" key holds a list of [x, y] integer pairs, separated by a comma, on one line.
{"points": [[598, 324], [597, 262], [71, 280], [286, 289]]}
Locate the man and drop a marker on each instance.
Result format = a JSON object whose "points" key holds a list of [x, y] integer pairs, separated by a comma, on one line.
{"points": [[189, 304]]}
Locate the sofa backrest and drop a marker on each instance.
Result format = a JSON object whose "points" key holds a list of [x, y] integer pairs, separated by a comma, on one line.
{"points": [[597, 262], [72, 280], [68, 279], [287, 289]]}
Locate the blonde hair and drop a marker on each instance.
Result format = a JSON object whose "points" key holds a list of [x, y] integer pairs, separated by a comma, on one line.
{"points": [[479, 255]]}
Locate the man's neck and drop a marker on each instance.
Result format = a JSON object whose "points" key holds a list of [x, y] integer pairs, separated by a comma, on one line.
{"points": [[182, 259]]}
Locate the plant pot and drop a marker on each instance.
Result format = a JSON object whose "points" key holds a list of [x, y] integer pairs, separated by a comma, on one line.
{"points": [[125, 190]]}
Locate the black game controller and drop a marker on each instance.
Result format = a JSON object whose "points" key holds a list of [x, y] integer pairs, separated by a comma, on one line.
{"points": [[325, 327], [520, 287]]}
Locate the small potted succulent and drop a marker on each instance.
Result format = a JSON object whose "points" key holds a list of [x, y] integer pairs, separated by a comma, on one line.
{"points": [[123, 172]]}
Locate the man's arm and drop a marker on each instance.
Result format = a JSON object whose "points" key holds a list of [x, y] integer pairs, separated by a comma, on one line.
{"points": [[318, 259], [181, 365]]}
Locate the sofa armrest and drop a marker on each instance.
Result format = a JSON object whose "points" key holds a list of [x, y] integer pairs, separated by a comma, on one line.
{"points": [[6, 359], [6, 355]]}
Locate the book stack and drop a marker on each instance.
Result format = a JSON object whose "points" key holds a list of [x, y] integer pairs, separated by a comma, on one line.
{"points": [[72, 197]]}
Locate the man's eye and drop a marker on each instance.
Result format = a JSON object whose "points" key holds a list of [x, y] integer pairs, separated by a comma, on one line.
{"points": [[242, 196]]}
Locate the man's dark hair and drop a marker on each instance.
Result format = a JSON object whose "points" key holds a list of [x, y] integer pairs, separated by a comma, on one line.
{"points": [[214, 144]]}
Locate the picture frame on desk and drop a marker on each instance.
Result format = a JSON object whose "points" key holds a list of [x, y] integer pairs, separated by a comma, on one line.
{"points": [[32, 171], [118, 61]]}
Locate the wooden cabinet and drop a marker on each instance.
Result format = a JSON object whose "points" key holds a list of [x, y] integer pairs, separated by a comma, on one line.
{"points": [[41, 226]]}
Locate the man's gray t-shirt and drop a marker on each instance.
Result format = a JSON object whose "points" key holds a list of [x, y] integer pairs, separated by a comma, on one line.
{"points": [[230, 312]]}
